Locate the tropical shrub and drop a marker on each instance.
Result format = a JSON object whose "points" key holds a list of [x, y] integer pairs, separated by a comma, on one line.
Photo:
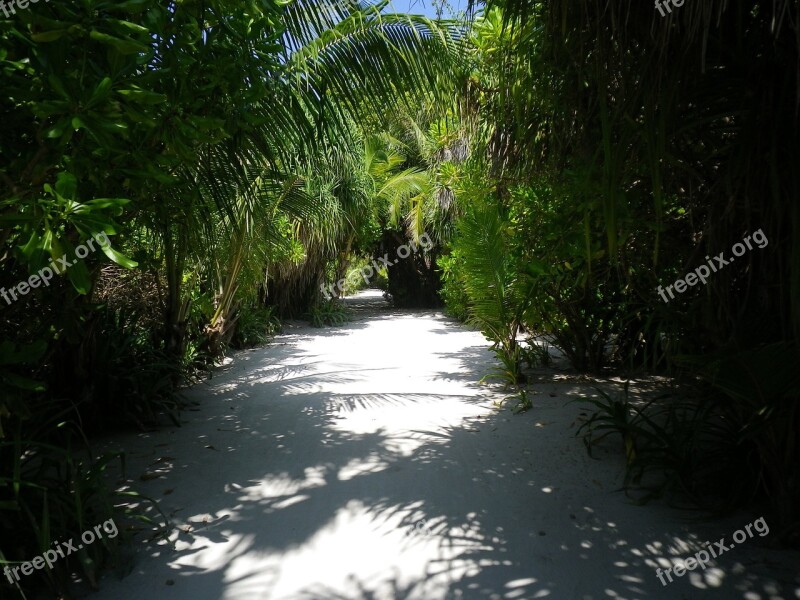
{"points": [[331, 313], [664, 157], [492, 283], [453, 293], [255, 327]]}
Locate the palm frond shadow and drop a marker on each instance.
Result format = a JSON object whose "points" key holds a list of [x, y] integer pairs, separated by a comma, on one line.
{"points": [[327, 477]]}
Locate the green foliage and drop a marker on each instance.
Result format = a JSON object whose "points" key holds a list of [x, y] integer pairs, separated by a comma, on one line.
{"points": [[525, 403], [575, 295], [453, 294], [17, 388], [255, 327], [219, 146], [52, 489], [618, 164], [328, 314], [612, 415], [133, 380], [381, 279], [354, 281], [665, 442], [732, 442], [492, 284], [758, 390], [536, 354]]}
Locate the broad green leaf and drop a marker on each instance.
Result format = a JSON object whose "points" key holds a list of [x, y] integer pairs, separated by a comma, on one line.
{"points": [[66, 185], [128, 27], [103, 203], [58, 86], [57, 251], [77, 272], [143, 96], [48, 36], [118, 258], [33, 244], [121, 45], [59, 129], [100, 93]]}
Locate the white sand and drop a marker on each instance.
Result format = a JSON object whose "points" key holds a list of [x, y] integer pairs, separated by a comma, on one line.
{"points": [[309, 466]]}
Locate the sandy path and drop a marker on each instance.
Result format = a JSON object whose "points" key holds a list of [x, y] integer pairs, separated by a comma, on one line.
{"points": [[367, 463]]}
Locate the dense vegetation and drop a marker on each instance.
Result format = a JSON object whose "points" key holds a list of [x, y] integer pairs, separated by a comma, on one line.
{"points": [[615, 151], [217, 156], [209, 168]]}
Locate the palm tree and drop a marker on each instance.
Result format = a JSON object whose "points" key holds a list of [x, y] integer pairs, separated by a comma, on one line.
{"points": [[337, 61]]}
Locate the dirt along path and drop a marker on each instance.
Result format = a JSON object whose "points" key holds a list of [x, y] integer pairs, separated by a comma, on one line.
{"points": [[367, 462]]}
